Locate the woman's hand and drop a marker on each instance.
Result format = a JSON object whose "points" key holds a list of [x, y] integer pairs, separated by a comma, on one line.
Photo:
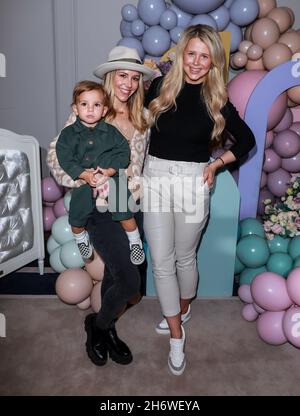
{"points": [[210, 171], [209, 175]]}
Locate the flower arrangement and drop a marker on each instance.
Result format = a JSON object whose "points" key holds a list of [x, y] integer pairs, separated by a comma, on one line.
{"points": [[161, 67], [283, 217]]}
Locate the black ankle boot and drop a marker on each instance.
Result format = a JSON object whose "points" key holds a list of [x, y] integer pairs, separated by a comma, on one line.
{"points": [[117, 349], [96, 347]]}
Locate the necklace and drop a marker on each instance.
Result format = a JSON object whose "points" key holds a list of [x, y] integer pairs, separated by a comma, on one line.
{"points": [[126, 130]]}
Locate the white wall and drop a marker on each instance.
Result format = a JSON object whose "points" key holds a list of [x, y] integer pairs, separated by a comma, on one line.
{"points": [[49, 45]]}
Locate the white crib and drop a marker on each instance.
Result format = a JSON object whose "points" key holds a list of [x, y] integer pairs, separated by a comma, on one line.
{"points": [[21, 217]]}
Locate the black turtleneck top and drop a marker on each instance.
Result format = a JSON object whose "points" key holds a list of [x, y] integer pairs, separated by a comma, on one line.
{"points": [[184, 134]]}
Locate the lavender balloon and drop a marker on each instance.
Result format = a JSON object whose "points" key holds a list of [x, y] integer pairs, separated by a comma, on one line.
{"points": [[243, 12], [138, 27], [278, 182], [156, 41], [125, 29], [236, 36], [129, 12], [168, 19], [183, 18], [204, 19], [151, 10], [270, 327], [221, 17], [269, 291], [291, 326], [176, 33], [197, 7]]}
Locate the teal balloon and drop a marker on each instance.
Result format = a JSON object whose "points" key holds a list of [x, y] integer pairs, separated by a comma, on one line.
{"points": [[294, 247], [278, 244], [239, 232], [55, 261], [248, 274], [238, 266], [251, 226], [67, 199], [61, 230], [52, 244], [253, 251], [70, 255], [280, 263], [296, 262]]}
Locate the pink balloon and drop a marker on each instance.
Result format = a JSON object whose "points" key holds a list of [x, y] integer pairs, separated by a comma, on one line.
{"points": [[269, 138], [270, 327], [73, 286], [285, 122], [59, 208], [269, 291], [286, 143], [51, 192], [258, 308], [96, 297], [278, 182], [249, 313], [264, 194], [96, 267], [272, 161], [244, 293], [291, 164], [296, 113], [293, 285], [295, 126], [48, 218], [48, 204], [85, 304], [241, 87], [291, 326]]}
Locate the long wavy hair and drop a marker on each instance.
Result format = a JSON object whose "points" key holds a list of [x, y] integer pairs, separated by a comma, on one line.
{"points": [[213, 91], [135, 103]]}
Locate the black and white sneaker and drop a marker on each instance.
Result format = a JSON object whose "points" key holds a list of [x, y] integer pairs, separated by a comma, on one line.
{"points": [[86, 251], [137, 255]]}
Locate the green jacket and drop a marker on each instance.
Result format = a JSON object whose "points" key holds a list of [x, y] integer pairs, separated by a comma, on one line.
{"points": [[79, 147]]}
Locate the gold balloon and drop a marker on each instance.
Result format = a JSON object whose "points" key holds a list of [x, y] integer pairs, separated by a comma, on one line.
{"points": [[265, 32]]}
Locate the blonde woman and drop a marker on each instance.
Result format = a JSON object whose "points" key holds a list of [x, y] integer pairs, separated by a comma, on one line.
{"points": [[123, 283], [189, 110]]}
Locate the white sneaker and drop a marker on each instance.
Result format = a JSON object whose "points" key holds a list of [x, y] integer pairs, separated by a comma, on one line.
{"points": [[176, 359], [163, 328]]}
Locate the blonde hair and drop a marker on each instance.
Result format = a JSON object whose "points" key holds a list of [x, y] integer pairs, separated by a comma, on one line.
{"points": [[135, 103], [86, 85], [213, 91]]}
